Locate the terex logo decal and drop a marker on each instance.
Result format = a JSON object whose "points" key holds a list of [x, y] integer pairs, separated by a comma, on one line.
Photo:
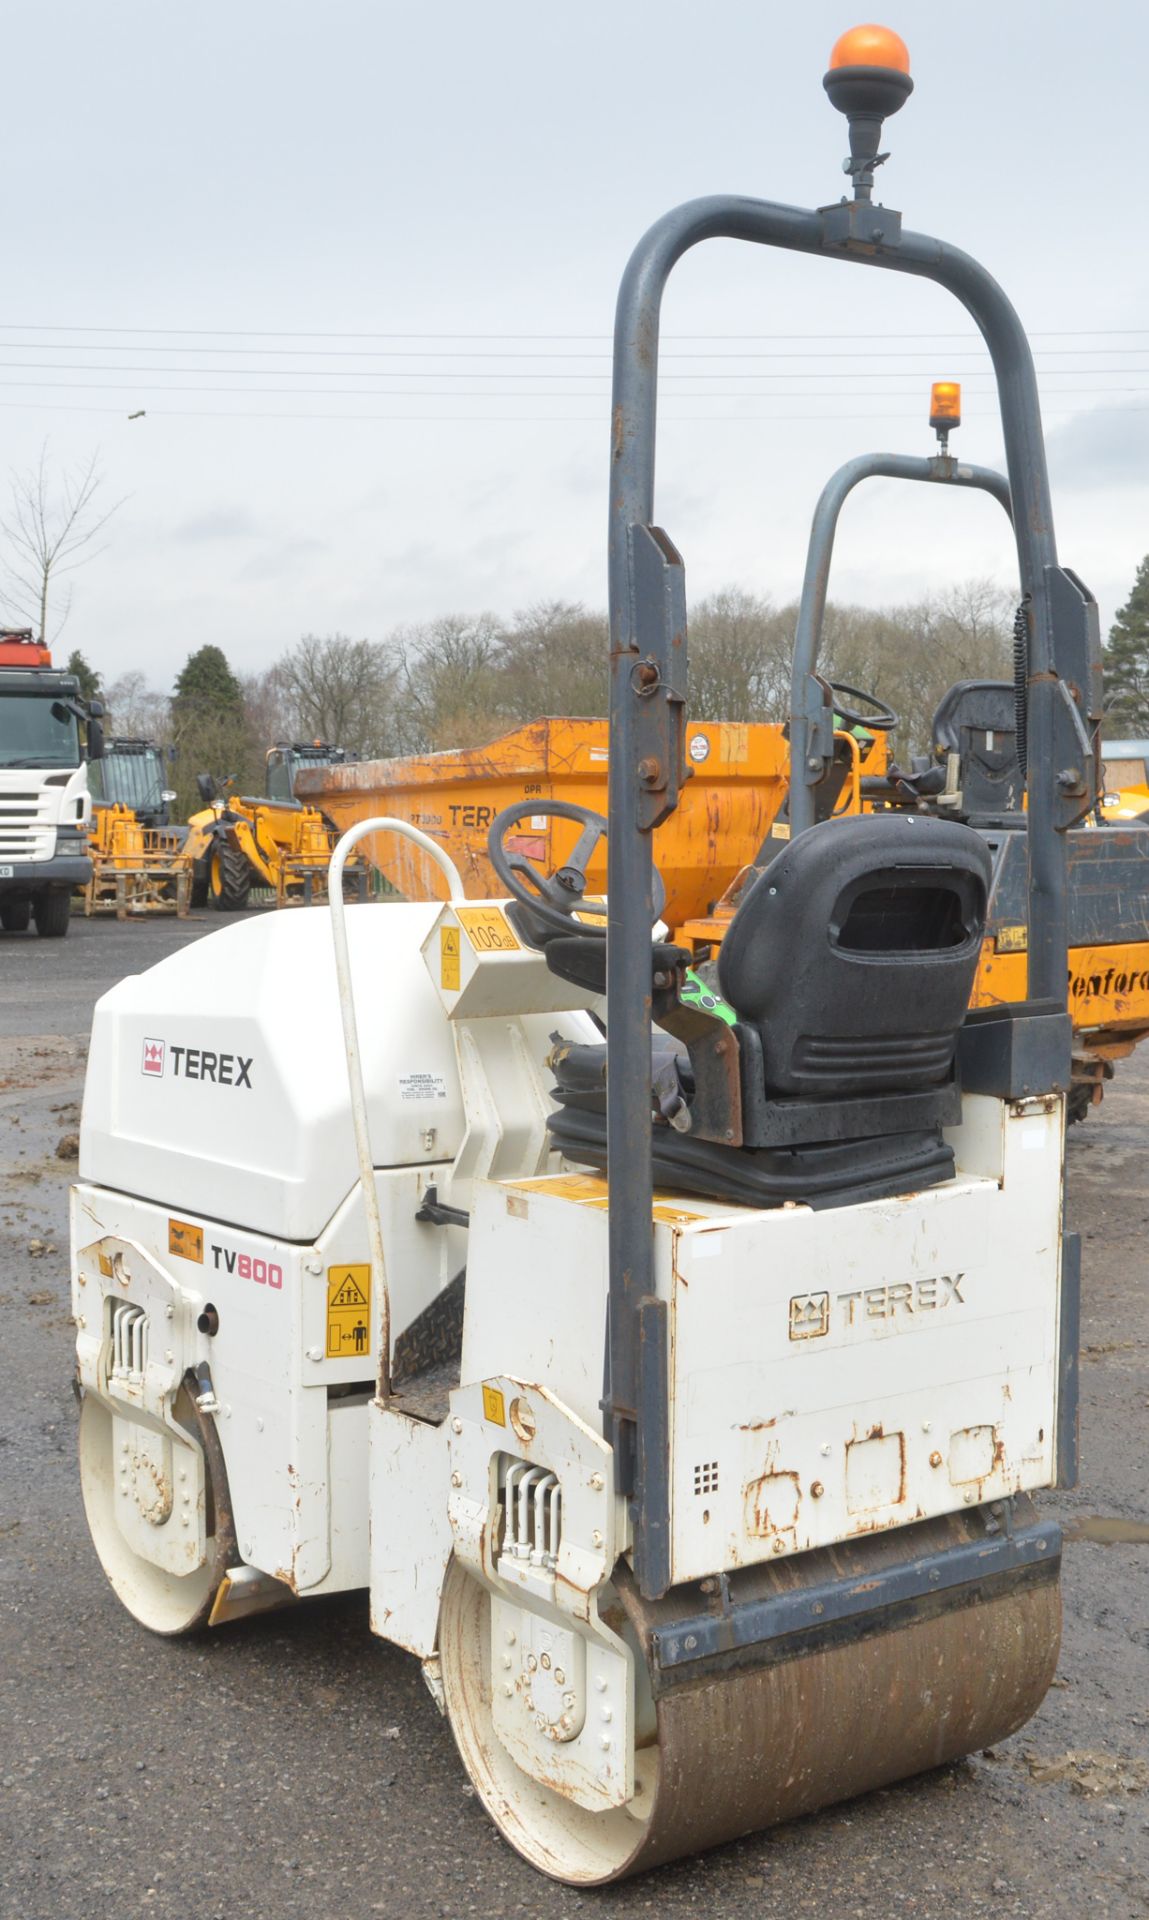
{"points": [[470, 815], [197, 1063], [904, 1296], [810, 1313]]}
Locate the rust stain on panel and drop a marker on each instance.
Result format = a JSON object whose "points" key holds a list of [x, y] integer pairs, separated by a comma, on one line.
{"points": [[770, 1505]]}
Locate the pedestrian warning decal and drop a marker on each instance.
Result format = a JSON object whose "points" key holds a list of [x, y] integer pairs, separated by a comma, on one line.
{"points": [[449, 958], [348, 1311]]}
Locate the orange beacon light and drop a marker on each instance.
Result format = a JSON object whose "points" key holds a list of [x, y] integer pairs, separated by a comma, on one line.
{"points": [[945, 406]]}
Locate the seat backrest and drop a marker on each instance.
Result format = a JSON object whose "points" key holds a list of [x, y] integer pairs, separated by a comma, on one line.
{"points": [[977, 720], [853, 954]]}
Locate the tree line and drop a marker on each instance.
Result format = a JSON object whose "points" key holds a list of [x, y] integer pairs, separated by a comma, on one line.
{"points": [[462, 679]]}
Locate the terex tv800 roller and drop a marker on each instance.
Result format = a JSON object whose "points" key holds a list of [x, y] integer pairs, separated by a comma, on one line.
{"points": [[677, 1385]]}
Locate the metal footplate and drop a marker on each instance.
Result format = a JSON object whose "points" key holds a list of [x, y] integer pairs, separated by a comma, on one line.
{"points": [[755, 1618]]}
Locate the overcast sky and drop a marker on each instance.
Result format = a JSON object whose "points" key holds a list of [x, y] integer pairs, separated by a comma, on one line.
{"points": [[358, 264]]}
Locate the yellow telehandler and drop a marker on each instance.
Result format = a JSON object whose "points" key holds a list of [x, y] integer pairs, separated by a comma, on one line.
{"points": [[237, 842], [140, 861]]}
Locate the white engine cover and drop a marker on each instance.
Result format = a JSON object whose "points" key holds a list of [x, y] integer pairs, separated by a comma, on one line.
{"points": [[217, 1081]]}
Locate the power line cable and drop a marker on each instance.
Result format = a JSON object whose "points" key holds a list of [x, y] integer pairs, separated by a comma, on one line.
{"points": [[319, 373], [145, 386], [282, 333], [528, 420], [464, 353]]}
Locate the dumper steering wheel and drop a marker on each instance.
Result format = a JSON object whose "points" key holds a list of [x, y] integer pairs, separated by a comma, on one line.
{"points": [[880, 720], [557, 897]]}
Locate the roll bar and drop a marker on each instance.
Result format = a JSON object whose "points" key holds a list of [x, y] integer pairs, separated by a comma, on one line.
{"points": [[811, 722], [647, 713]]}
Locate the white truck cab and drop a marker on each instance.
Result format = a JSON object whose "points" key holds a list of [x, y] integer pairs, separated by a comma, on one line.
{"points": [[44, 802]]}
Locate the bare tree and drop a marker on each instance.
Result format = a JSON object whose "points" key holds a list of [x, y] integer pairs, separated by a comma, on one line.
{"points": [[454, 695], [48, 532], [136, 710], [553, 659], [740, 651], [344, 691], [270, 705]]}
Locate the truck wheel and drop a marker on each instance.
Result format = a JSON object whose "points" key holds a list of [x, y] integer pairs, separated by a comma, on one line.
{"points": [[52, 913], [230, 879], [201, 883], [15, 915]]}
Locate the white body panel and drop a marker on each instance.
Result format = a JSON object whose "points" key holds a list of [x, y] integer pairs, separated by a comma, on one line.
{"points": [[832, 1372]]}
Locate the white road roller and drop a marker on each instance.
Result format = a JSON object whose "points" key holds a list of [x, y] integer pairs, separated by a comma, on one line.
{"points": [[678, 1388]]}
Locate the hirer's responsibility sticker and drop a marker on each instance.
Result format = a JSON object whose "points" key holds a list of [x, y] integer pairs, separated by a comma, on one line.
{"points": [[422, 1086], [348, 1311]]}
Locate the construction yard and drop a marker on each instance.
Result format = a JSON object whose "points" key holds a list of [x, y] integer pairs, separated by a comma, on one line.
{"points": [[293, 1765]]}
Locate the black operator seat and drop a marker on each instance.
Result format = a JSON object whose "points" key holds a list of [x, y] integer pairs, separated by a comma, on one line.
{"points": [[849, 965], [852, 957]]}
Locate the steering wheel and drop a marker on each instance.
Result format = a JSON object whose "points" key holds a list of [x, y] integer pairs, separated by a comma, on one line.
{"points": [[880, 720], [557, 897]]}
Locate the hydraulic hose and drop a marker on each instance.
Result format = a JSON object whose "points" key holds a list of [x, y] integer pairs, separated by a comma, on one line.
{"points": [[1021, 679]]}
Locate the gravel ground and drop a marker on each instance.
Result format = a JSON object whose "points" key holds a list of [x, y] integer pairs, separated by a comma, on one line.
{"points": [[295, 1766]]}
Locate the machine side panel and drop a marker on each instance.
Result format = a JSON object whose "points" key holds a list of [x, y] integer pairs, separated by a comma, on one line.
{"points": [[295, 1457], [273, 1436], [840, 1373], [537, 1286]]}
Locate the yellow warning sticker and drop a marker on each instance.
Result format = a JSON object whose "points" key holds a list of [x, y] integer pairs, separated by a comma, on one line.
{"points": [[348, 1311], [185, 1240], [494, 1406], [487, 929], [449, 958]]}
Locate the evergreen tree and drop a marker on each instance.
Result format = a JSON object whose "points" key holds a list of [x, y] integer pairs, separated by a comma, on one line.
{"points": [[89, 679], [210, 728], [1127, 663], [206, 684]]}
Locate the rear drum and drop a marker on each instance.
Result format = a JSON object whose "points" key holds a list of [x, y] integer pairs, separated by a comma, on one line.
{"points": [[747, 1749]]}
